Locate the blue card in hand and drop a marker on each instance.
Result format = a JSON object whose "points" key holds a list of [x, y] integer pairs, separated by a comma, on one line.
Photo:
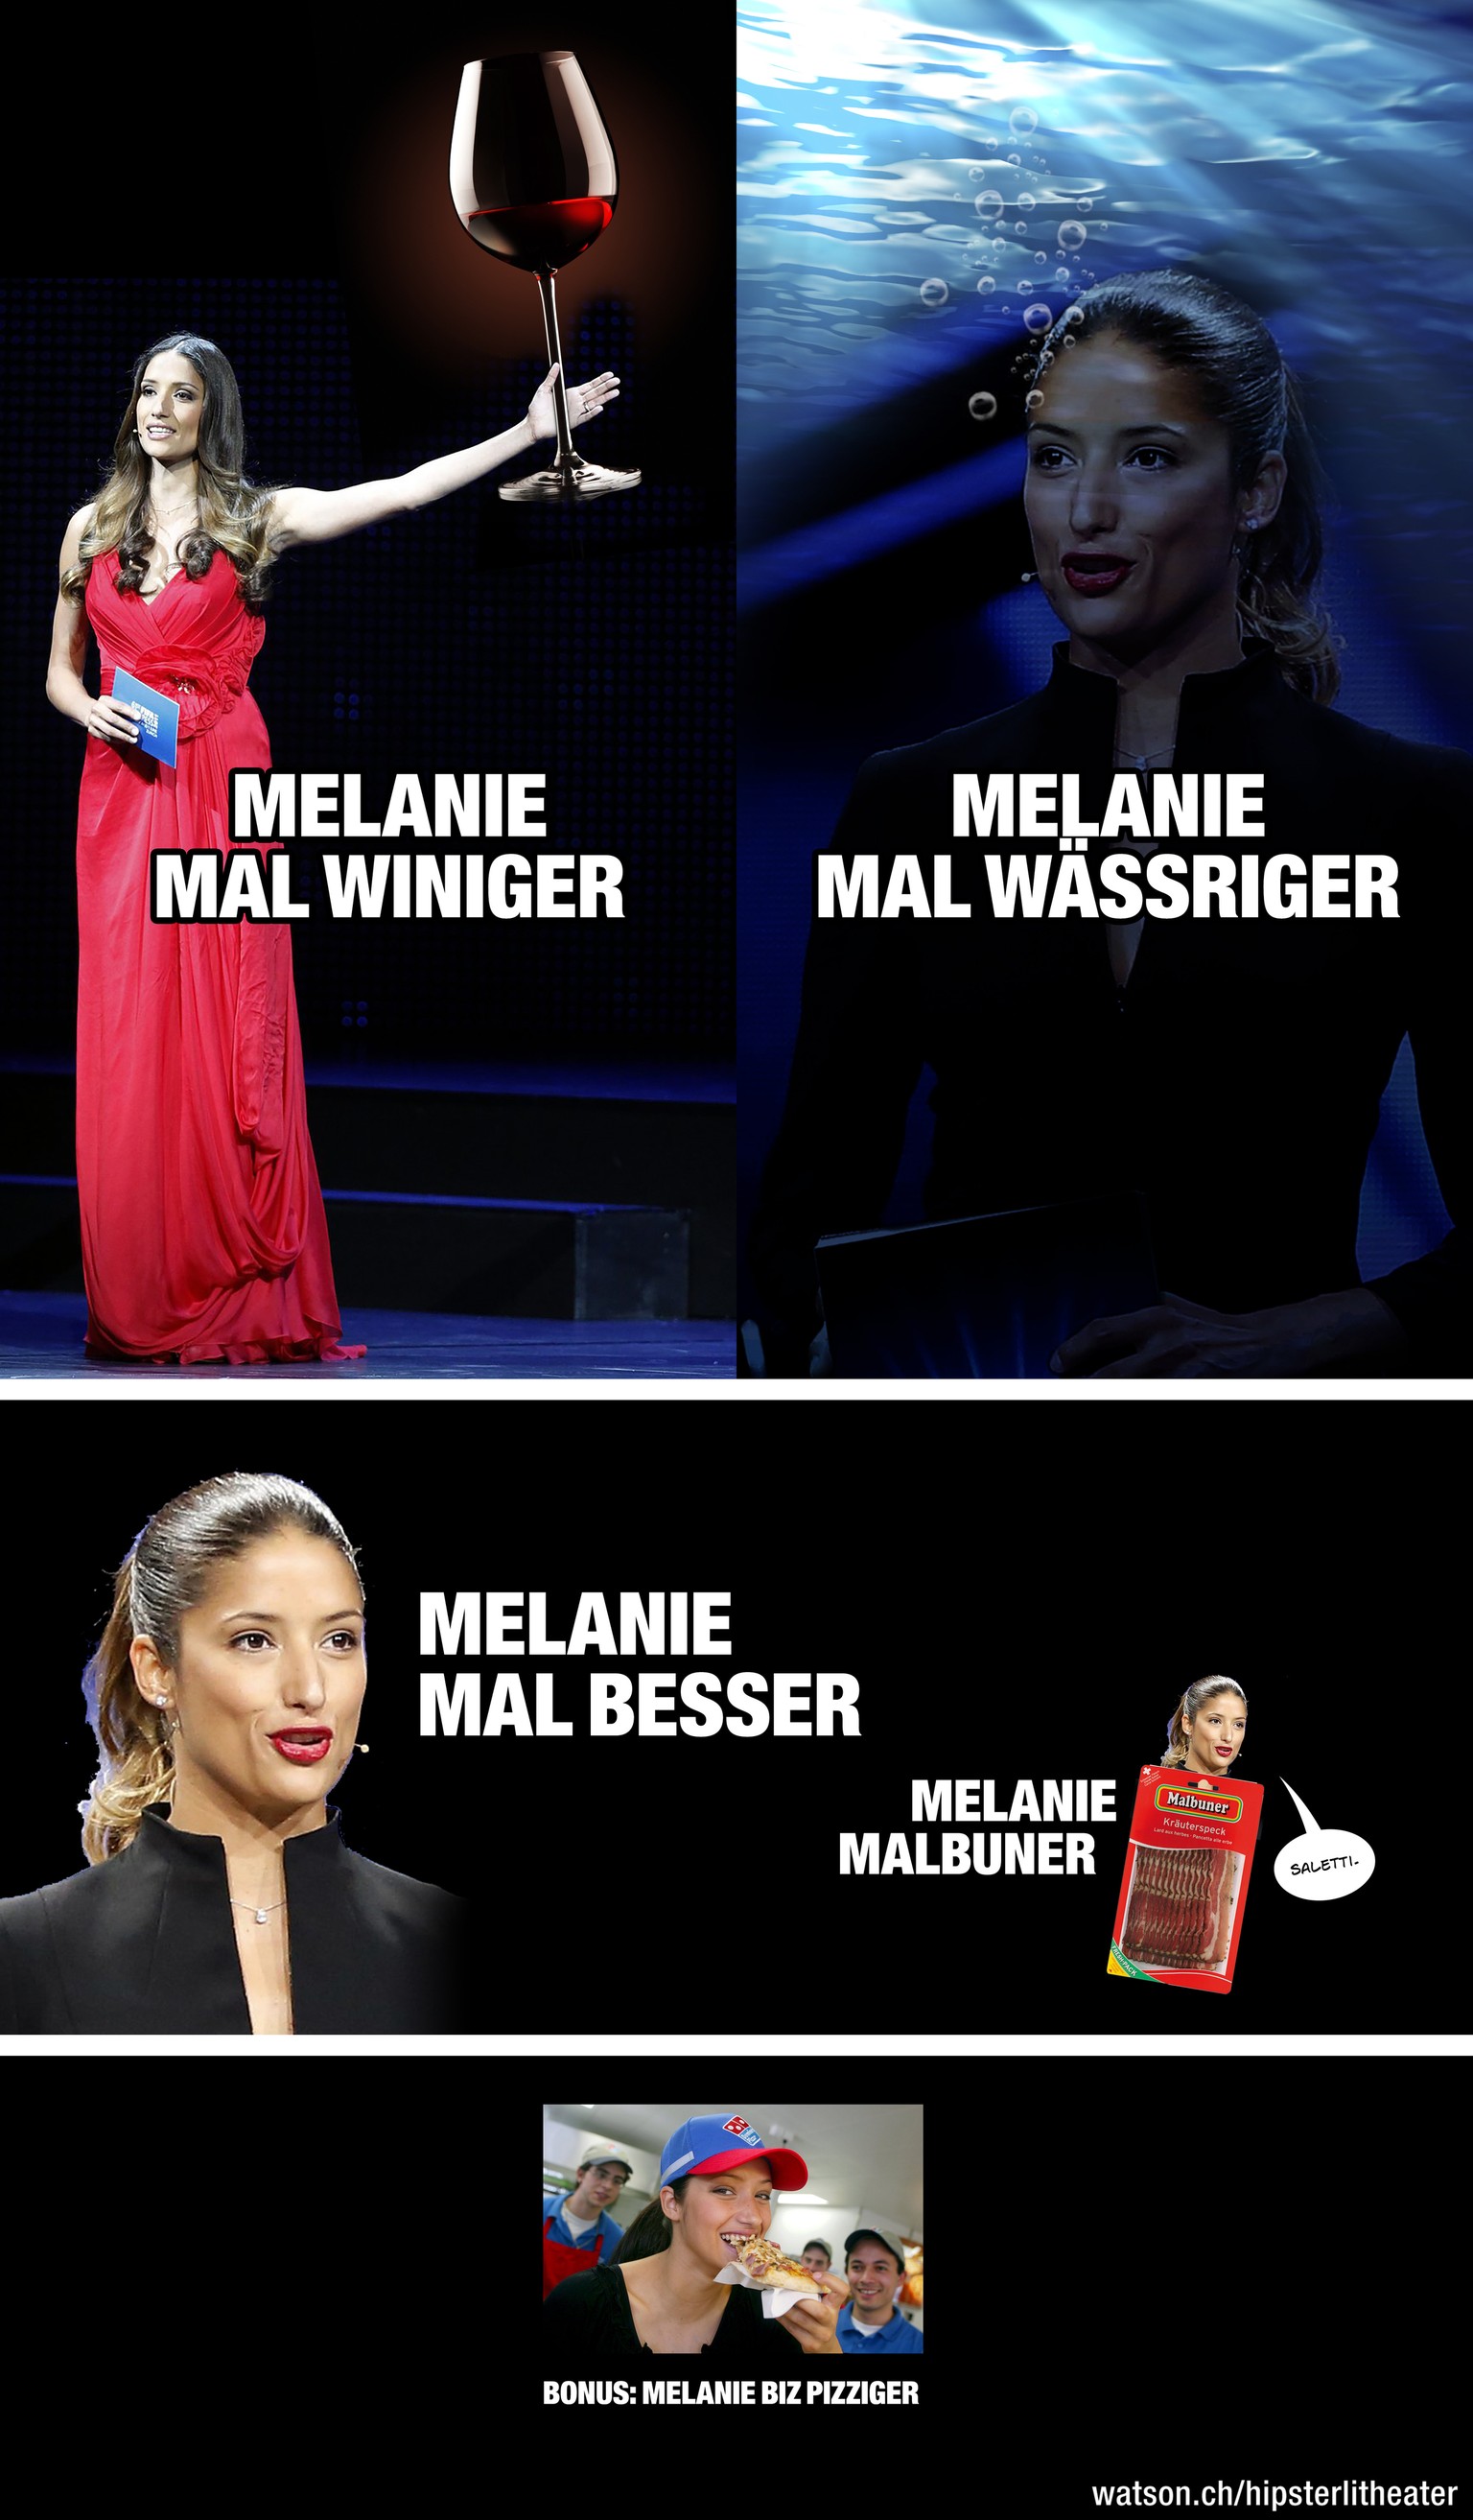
{"points": [[159, 718]]}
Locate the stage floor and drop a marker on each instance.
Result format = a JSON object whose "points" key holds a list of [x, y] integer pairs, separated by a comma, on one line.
{"points": [[41, 1336]]}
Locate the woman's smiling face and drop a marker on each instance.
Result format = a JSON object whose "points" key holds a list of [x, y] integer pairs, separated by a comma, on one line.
{"points": [[1130, 499], [170, 400], [739, 2200], [1217, 1736], [269, 1677]]}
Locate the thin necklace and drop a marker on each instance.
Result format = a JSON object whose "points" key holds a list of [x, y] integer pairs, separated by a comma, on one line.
{"points": [[260, 1913], [1143, 761]]}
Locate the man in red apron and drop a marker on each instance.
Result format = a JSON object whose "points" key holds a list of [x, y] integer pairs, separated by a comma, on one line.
{"points": [[578, 2232]]}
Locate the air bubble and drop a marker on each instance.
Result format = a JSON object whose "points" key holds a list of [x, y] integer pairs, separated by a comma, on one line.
{"points": [[983, 406], [1062, 275], [1033, 402], [986, 284], [1071, 236], [1038, 318], [1013, 160], [1020, 227], [1026, 202], [988, 205], [1041, 257], [1074, 315], [933, 292], [1022, 121]]}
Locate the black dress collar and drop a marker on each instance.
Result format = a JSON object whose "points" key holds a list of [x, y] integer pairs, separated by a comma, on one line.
{"points": [[309, 1857], [148, 1941], [1211, 703], [175, 1897]]}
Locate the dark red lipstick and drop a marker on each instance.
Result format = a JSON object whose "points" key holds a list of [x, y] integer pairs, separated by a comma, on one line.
{"points": [[1096, 572], [303, 1743]]}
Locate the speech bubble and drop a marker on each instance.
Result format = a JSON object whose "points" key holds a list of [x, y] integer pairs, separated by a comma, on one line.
{"points": [[1323, 1863]]}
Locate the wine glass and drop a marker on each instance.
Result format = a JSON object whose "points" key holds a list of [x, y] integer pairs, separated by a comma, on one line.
{"points": [[533, 179]]}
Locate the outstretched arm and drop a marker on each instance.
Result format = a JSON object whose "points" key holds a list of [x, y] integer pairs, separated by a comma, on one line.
{"points": [[322, 516]]}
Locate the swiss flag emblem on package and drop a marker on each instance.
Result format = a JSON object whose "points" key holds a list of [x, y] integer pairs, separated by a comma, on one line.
{"points": [[735, 2126]]}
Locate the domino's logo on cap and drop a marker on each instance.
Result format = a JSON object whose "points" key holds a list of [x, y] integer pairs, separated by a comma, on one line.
{"points": [[706, 2144]]}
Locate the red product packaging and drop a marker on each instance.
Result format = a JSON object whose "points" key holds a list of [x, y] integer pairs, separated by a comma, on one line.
{"points": [[1186, 1881]]}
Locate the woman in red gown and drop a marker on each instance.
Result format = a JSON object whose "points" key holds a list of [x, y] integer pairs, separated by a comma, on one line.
{"points": [[203, 1233]]}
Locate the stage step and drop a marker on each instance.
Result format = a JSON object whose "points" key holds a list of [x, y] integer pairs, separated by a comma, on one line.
{"points": [[538, 1262], [609, 1205], [545, 1263]]}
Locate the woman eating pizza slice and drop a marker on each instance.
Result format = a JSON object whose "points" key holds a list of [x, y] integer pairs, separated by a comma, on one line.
{"points": [[661, 2295]]}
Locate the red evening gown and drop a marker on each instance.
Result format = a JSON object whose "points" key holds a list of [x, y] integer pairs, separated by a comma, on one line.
{"points": [[203, 1233]]}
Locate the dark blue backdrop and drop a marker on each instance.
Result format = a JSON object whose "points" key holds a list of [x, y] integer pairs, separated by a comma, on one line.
{"points": [[1316, 160]]}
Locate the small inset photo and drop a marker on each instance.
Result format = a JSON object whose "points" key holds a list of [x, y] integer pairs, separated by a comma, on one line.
{"points": [[750, 2232]]}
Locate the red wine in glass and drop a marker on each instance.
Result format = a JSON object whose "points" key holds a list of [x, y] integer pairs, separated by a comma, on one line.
{"points": [[533, 179], [541, 236]]}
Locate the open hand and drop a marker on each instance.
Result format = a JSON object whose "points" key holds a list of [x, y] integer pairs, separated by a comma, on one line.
{"points": [[584, 402], [1353, 1330]]}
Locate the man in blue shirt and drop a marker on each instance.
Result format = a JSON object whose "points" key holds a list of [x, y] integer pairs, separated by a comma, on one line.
{"points": [[867, 2322], [581, 2222]]}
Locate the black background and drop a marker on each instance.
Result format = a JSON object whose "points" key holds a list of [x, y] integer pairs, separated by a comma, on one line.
{"points": [[1014, 1605], [1174, 2272], [1164, 2268]]}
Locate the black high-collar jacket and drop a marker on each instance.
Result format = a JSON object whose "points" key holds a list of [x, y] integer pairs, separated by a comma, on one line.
{"points": [[1236, 1080], [146, 1942]]}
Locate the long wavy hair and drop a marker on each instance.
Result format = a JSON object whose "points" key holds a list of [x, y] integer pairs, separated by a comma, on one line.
{"points": [[1184, 1714], [1200, 328], [167, 1571], [234, 513]]}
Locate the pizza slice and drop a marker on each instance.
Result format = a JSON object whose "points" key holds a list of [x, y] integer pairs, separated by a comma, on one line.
{"points": [[767, 2266]]}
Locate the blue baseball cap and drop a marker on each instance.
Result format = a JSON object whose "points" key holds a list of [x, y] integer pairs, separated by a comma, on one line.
{"points": [[712, 2143]]}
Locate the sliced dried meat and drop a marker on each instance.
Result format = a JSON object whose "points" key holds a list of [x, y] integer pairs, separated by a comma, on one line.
{"points": [[1181, 1906]]}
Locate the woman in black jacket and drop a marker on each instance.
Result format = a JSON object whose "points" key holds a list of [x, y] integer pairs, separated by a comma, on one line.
{"points": [[225, 1695], [1230, 1070]]}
